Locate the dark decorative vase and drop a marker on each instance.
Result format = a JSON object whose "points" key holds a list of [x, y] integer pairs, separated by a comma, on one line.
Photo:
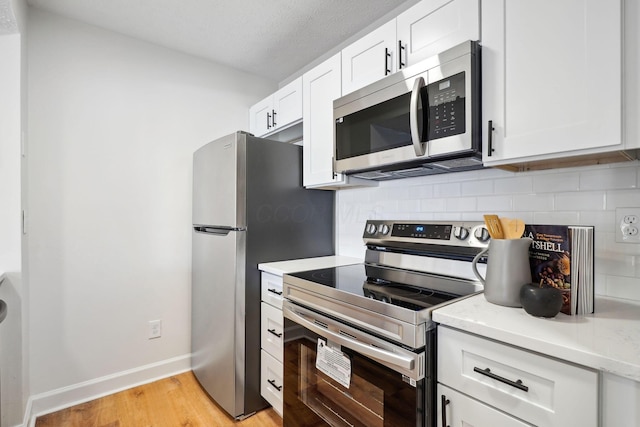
{"points": [[540, 301]]}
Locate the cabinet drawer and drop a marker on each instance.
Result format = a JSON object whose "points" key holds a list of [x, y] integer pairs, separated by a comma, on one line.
{"points": [[536, 389], [272, 332], [271, 381], [461, 410], [271, 289]]}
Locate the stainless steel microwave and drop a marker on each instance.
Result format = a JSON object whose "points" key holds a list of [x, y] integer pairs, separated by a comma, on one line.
{"points": [[422, 120]]}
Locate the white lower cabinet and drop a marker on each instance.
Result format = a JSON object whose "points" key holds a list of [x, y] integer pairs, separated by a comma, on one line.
{"points": [[271, 383], [457, 409], [272, 334], [529, 387], [271, 340], [620, 401], [271, 291]]}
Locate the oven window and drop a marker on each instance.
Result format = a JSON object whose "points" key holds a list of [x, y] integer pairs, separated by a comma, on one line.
{"points": [[381, 127], [376, 397]]}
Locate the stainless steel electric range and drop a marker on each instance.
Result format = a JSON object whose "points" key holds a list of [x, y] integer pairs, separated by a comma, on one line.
{"points": [[359, 340]]}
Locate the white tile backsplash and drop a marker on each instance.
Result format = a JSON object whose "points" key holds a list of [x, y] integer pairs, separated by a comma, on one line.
{"points": [[556, 182], [514, 185], [605, 179], [580, 201], [578, 196]]}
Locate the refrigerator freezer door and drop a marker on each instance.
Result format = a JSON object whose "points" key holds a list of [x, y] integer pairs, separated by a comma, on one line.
{"points": [[218, 311], [218, 183]]}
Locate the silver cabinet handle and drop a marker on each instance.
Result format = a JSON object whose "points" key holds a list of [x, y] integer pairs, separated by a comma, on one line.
{"points": [[419, 146], [367, 350]]}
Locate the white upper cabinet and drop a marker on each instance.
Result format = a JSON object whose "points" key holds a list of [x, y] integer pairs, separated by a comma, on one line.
{"points": [[277, 111], [552, 79], [320, 86], [424, 30], [260, 116], [370, 58], [432, 26]]}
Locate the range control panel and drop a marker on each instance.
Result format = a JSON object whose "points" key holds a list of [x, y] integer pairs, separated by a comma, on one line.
{"points": [[449, 233]]}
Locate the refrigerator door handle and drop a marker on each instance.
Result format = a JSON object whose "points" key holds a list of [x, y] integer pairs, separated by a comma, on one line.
{"points": [[223, 231]]}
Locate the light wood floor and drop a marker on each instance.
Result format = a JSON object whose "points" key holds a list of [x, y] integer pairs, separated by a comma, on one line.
{"points": [[177, 401]]}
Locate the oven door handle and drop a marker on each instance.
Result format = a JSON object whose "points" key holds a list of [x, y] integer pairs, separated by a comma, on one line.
{"points": [[378, 354]]}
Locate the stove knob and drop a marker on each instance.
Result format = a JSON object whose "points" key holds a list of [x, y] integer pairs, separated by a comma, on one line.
{"points": [[384, 229], [482, 234], [461, 233], [371, 229]]}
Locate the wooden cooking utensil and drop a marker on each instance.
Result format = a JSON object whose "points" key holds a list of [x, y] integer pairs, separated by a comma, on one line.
{"points": [[493, 226], [512, 228]]}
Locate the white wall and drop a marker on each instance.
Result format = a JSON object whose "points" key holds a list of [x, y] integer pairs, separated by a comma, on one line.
{"points": [[113, 123], [11, 396], [577, 196]]}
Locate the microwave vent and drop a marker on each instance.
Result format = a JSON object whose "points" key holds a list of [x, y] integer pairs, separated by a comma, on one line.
{"points": [[374, 175], [407, 173], [397, 174], [463, 163]]}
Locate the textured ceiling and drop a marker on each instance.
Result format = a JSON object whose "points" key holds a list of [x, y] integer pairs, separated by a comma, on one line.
{"points": [[272, 38]]}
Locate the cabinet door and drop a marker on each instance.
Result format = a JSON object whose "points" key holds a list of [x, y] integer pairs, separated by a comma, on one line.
{"points": [[287, 105], [432, 26], [271, 289], [551, 78], [260, 117], [620, 401], [271, 380], [461, 410], [272, 333], [370, 58], [320, 86], [536, 389]]}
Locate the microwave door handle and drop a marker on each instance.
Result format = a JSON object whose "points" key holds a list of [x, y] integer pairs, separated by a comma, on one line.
{"points": [[419, 146]]}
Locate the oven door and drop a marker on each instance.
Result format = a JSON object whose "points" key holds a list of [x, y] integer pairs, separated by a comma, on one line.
{"points": [[337, 375]]}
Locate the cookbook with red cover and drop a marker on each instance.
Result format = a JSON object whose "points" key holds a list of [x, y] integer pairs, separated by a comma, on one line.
{"points": [[562, 256]]}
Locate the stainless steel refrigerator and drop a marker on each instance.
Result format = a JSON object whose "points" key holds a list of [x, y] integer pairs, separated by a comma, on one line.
{"points": [[249, 207]]}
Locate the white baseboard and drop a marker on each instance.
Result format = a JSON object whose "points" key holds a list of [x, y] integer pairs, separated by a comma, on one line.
{"points": [[65, 397]]}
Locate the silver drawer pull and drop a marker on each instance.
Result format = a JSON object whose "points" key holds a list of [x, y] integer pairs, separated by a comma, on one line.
{"points": [[517, 384]]}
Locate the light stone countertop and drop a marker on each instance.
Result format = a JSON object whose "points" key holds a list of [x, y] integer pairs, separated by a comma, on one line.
{"points": [[608, 340], [283, 267]]}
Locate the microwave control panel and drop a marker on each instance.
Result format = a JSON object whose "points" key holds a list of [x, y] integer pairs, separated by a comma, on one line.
{"points": [[446, 107]]}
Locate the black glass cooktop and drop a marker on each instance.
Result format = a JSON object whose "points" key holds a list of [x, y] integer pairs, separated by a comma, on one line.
{"points": [[375, 283]]}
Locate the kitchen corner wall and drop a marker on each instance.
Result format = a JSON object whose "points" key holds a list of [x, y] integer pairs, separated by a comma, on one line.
{"points": [[576, 196], [113, 124]]}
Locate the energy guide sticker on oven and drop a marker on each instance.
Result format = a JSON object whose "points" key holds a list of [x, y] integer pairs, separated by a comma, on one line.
{"points": [[333, 363]]}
